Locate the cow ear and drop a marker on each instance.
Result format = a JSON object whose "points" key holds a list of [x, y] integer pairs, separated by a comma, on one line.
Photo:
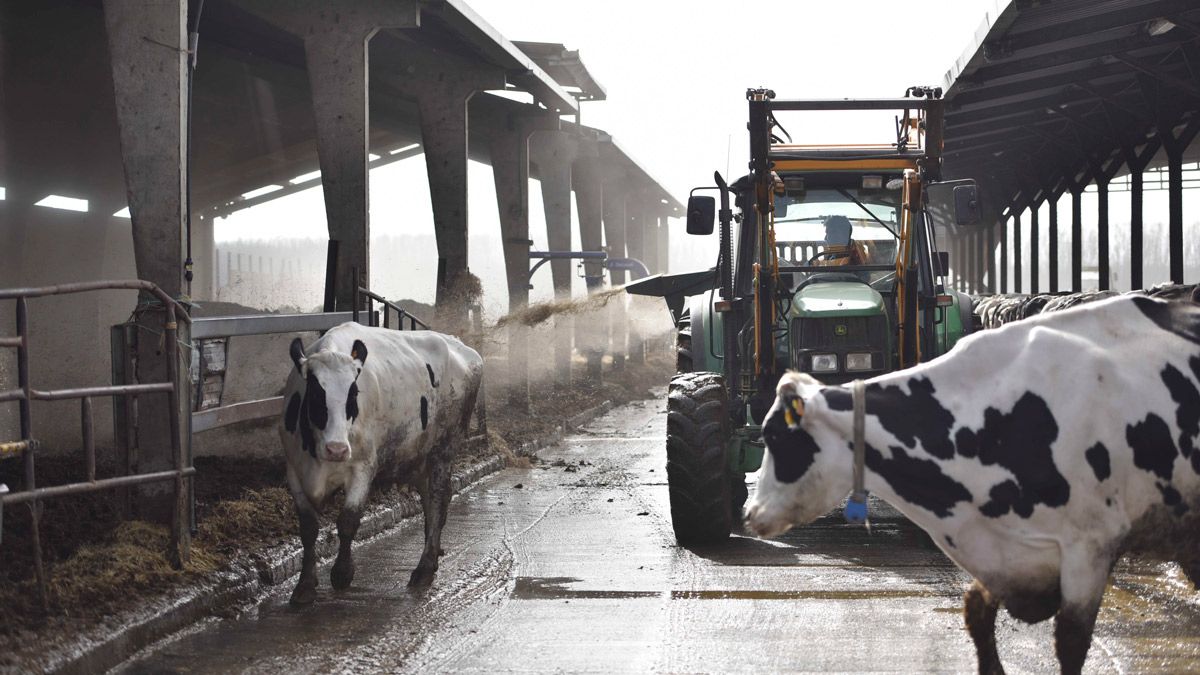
{"points": [[297, 352], [358, 352]]}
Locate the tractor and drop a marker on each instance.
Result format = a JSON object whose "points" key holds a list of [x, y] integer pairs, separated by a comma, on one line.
{"points": [[828, 266]]}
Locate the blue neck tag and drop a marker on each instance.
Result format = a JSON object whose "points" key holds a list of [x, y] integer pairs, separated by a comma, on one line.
{"points": [[856, 509]]}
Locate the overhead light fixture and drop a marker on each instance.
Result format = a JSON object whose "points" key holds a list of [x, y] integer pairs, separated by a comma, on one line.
{"points": [[1159, 26], [2, 197], [66, 203], [123, 213]]}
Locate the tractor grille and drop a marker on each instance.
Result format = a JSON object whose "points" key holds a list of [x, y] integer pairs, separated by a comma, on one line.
{"points": [[840, 336]]}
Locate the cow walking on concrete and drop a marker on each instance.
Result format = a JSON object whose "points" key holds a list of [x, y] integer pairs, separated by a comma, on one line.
{"points": [[1034, 455], [369, 402]]}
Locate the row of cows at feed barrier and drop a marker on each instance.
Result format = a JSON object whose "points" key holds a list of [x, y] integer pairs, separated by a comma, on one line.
{"points": [[993, 311]]}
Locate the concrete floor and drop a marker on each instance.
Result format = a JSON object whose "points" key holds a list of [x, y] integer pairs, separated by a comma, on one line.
{"points": [[573, 568]]}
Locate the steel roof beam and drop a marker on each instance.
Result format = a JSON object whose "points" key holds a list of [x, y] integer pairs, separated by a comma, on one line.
{"points": [[1159, 74], [1127, 16]]}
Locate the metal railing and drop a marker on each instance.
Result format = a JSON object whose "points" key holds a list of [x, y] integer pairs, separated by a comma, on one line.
{"points": [[375, 320], [27, 445]]}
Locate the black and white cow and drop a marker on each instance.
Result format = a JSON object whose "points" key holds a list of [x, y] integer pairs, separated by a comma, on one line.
{"points": [[1034, 455], [366, 402]]}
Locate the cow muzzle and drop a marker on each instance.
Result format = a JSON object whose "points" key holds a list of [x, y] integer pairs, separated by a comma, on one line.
{"points": [[337, 451], [763, 524]]}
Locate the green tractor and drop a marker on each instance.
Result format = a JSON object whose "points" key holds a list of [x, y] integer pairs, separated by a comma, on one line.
{"points": [[829, 266]]}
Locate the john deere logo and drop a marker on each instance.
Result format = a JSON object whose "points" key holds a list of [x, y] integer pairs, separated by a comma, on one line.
{"points": [[840, 330]]}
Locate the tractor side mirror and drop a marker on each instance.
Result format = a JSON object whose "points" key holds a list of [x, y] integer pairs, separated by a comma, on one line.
{"points": [[701, 214], [966, 205], [941, 264]]}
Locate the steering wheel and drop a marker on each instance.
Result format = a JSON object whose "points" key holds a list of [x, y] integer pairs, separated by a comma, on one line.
{"points": [[839, 254], [829, 276]]}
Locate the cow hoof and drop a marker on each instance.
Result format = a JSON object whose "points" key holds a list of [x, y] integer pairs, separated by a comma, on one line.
{"points": [[422, 576], [342, 573], [304, 595]]}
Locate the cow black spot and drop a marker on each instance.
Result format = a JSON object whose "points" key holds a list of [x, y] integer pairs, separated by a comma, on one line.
{"points": [[1108, 501], [918, 481], [314, 399], [424, 413], [793, 450], [1179, 318], [838, 398], [1172, 498], [1097, 456], [1187, 415], [1153, 448], [352, 402], [432, 380], [917, 415], [950, 541], [967, 442], [307, 440], [292, 416], [1020, 442]]}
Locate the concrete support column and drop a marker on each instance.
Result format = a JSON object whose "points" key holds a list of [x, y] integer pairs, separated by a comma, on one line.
{"points": [[1136, 254], [510, 170], [1034, 243], [1102, 231], [1076, 238], [1017, 253], [1053, 236], [554, 152], [635, 243], [649, 225], [664, 243], [587, 181], [335, 52], [614, 236], [1003, 254], [147, 48], [991, 259]]}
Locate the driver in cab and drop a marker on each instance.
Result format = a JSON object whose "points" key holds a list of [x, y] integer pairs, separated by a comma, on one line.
{"points": [[840, 248]]}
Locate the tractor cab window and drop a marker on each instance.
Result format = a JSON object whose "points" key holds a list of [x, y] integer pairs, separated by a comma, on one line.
{"points": [[827, 228]]}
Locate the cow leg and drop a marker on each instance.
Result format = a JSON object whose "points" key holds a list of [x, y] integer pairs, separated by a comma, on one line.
{"points": [[306, 588], [979, 611], [1082, 578], [356, 496], [436, 500]]}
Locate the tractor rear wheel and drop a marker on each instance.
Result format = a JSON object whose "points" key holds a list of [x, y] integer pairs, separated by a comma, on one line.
{"points": [[698, 476]]}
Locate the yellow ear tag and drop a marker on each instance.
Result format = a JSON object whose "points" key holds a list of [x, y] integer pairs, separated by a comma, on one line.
{"points": [[794, 405], [787, 417]]}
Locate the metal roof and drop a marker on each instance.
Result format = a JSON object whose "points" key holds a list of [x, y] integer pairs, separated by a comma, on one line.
{"points": [[1050, 94], [565, 67]]}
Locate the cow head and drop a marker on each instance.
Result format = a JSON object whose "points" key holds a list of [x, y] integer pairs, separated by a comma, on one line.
{"points": [[797, 482], [329, 404]]}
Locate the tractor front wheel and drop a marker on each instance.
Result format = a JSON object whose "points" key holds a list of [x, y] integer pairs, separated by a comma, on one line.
{"points": [[698, 480]]}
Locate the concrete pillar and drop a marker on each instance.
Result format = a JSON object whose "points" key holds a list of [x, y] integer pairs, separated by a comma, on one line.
{"points": [[1004, 255], [335, 52], [649, 225], [664, 242], [1053, 236], [509, 150], [554, 152], [1102, 230], [147, 48], [443, 86], [1136, 254], [635, 244], [1076, 238], [587, 181], [1034, 235], [1017, 254], [614, 236], [990, 262]]}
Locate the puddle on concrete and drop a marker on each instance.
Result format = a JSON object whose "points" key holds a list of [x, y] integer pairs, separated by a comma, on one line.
{"points": [[556, 588]]}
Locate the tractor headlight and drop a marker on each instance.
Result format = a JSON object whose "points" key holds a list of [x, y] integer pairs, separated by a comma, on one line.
{"points": [[824, 363], [858, 361]]}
